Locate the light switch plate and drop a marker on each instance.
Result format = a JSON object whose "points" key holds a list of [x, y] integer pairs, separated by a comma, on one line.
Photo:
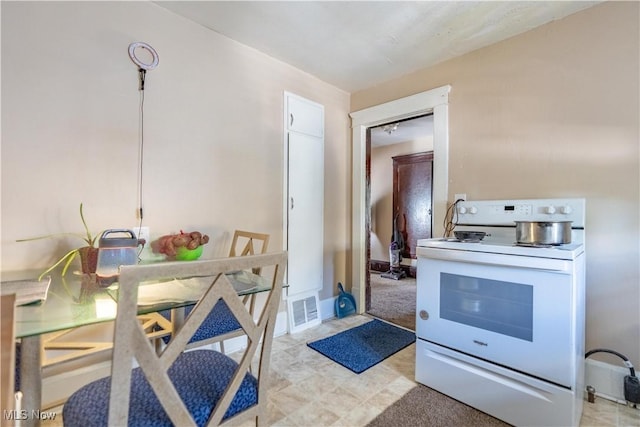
{"points": [[142, 233], [146, 254]]}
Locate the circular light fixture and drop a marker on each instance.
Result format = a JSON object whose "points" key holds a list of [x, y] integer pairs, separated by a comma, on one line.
{"points": [[138, 61]]}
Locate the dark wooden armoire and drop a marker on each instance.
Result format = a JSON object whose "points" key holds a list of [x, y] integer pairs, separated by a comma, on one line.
{"points": [[412, 198]]}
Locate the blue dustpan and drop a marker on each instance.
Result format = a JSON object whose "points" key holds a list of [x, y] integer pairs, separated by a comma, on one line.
{"points": [[345, 303]]}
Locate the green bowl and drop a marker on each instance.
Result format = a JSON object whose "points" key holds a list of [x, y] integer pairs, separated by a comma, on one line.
{"points": [[184, 254]]}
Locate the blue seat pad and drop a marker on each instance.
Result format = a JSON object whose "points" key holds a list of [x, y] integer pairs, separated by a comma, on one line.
{"points": [[220, 321], [199, 376]]}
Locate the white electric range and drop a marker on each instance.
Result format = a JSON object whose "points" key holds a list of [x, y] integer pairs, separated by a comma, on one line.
{"points": [[501, 326]]}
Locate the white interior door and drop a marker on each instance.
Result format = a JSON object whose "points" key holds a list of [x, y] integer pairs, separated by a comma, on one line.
{"points": [[305, 195], [305, 234]]}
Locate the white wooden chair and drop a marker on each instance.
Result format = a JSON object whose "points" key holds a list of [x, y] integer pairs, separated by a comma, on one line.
{"points": [[251, 243], [7, 363], [174, 387], [220, 325], [65, 348]]}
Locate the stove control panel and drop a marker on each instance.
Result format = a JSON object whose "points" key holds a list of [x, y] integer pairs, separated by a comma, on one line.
{"points": [[506, 212]]}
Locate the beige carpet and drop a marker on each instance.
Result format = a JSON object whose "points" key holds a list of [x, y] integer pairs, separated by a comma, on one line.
{"points": [[423, 406], [394, 300]]}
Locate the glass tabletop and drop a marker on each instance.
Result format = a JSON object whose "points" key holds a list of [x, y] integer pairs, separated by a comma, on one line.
{"points": [[79, 299]]}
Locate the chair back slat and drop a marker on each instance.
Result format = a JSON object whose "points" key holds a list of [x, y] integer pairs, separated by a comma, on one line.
{"points": [[203, 307], [250, 240], [131, 342], [8, 353]]}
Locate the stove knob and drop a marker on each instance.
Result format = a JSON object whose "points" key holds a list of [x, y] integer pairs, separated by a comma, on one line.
{"points": [[473, 210], [462, 210], [566, 210], [550, 210]]}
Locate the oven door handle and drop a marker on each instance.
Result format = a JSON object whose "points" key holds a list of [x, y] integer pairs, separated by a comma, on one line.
{"points": [[534, 263]]}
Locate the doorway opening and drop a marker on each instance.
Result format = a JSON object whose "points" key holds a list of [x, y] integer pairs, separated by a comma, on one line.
{"points": [[399, 185], [434, 101]]}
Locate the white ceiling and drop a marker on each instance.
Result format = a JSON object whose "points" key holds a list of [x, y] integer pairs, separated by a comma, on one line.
{"points": [[355, 45]]}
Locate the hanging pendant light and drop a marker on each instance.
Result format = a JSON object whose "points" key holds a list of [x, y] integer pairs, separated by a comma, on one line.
{"points": [[137, 59]]}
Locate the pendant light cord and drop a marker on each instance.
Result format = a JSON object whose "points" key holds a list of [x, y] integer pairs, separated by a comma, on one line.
{"points": [[141, 147], [143, 67], [142, 74]]}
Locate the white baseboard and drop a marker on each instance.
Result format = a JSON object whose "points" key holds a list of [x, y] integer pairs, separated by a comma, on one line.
{"points": [[281, 324], [238, 343], [327, 308], [57, 388], [607, 379]]}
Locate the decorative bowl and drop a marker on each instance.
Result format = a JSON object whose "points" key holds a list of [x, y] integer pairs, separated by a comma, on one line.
{"points": [[184, 254]]}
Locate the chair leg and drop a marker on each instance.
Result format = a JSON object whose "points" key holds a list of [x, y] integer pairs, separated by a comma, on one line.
{"points": [[252, 304], [158, 345]]}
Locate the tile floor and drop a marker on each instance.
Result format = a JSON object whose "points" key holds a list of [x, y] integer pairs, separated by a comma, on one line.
{"points": [[310, 390]]}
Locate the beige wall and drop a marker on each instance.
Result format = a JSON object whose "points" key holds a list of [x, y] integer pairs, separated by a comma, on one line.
{"points": [[213, 131], [550, 113], [554, 112], [382, 193]]}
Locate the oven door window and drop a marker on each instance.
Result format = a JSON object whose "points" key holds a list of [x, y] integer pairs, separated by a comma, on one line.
{"points": [[493, 305]]}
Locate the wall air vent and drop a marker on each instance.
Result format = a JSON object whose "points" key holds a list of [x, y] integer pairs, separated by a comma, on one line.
{"points": [[303, 312]]}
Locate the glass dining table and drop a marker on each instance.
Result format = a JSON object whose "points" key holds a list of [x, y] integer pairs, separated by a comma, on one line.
{"points": [[79, 300]]}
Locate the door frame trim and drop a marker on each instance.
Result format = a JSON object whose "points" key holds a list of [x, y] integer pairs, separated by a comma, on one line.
{"points": [[434, 101]]}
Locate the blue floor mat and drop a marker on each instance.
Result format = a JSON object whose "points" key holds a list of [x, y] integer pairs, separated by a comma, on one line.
{"points": [[364, 346]]}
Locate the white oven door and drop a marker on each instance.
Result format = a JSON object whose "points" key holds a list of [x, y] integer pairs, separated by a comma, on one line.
{"points": [[499, 309]]}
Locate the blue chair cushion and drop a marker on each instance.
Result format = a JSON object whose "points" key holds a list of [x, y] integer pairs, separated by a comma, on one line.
{"points": [[219, 321], [16, 374], [199, 377]]}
